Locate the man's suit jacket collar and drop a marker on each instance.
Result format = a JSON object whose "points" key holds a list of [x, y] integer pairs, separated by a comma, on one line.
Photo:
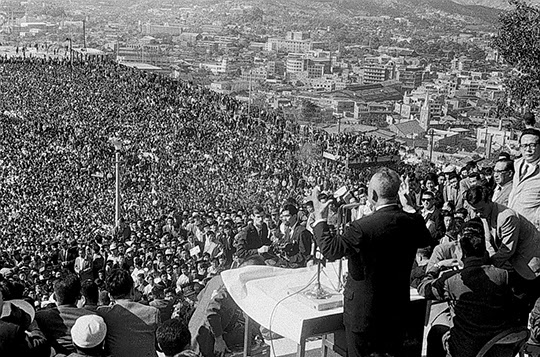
{"points": [[251, 227], [387, 208], [520, 166], [501, 193], [470, 262], [496, 208], [123, 302], [66, 307]]}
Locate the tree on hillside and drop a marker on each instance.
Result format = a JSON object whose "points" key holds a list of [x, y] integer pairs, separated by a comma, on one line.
{"points": [[518, 42], [310, 111]]}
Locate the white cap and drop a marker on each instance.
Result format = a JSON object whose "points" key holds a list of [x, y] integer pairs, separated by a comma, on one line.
{"points": [[88, 331]]}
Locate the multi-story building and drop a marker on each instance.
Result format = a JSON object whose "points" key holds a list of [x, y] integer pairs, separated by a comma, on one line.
{"points": [[150, 29], [223, 66], [275, 68], [395, 51], [297, 42], [375, 73], [461, 64], [228, 87], [468, 88], [141, 53], [296, 36], [295, 64], [212, 28], [499, 137], [363, 108], [254, 74], [315, 70], [281, 45], [188, 37], [410, 77]]}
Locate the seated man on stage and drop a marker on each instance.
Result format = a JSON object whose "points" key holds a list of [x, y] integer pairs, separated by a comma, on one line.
{"points": [[479, 295], [217, 325], [253, 239], [294, 249]]}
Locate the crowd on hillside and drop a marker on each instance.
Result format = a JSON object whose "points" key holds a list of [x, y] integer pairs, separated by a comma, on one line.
{"points": [[185, 148], [187, 151], [205, 187]]}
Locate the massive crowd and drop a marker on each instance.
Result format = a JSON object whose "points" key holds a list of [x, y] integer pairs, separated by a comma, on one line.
{"points": [[204, 187]]}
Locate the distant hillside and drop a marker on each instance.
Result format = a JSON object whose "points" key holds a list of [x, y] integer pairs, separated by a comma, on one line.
{"points": [[486, 13], [498, 4], [465, 8]]}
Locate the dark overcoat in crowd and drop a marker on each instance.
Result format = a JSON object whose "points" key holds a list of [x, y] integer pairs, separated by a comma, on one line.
{"points": [[250, 239], [299, 251], [131, 328], [381, 249], [68, 256], [56, 324], [437, 218], [12, 340]]}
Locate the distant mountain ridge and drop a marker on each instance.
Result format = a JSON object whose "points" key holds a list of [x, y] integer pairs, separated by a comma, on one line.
{"points": [[497, 4], [461, 8]]}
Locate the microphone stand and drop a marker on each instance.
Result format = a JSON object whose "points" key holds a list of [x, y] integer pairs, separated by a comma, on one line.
{"points": [[342, 223]]}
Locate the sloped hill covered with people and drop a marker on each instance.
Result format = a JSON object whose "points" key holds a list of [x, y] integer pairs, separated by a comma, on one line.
{"points": [[185, 147]]}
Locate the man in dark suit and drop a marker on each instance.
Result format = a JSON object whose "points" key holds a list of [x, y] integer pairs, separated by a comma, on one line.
{"points": [[297, 244], [12, 340], [381, 249], [68, 255], [253, 239], [56, 323], [131, 326], [451, 191]]}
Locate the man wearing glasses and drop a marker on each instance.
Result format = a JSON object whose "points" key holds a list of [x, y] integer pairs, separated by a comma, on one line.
{"points": [[525, 195], [503, 174]]}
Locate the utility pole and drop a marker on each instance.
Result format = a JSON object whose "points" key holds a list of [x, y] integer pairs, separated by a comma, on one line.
{"points": [[249, 89], [70, 52], [84, 32], [486, 140], [431, 133], [117, 201], [117, 46]]}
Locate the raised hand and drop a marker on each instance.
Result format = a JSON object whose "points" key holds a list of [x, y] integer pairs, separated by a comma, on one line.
{"points": [[320, 210]]}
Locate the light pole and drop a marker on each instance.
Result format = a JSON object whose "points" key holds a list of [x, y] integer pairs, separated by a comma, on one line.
{"points": [[117, 148], [70, 51], [431, 132], [84, 32], [249, 88]]}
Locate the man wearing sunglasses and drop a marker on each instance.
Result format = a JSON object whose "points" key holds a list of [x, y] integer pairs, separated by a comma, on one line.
{"points": [[432, 216]]}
